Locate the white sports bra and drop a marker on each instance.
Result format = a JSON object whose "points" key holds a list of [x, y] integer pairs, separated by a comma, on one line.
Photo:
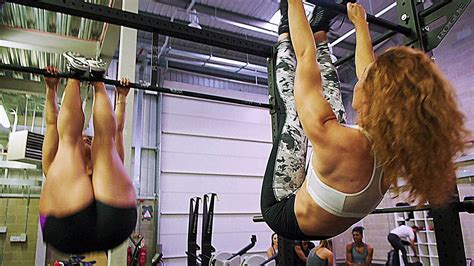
{"points": [[354, 205]]}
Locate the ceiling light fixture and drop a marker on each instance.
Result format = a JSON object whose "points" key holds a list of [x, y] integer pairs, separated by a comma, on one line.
{"points": [[194, 20]]}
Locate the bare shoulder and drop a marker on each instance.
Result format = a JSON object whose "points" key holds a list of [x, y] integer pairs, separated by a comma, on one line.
{"points": [[341, 135], [327, 252], [339, 139], [348, 246]]}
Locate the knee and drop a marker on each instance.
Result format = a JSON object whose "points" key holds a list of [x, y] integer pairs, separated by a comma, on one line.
{"points": [[106, 125], [70, 124]]}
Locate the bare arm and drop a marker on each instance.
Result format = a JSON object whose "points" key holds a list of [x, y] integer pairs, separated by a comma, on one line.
{"points": [[300, 253], [313, 110], [370, 255], [120, 113], [364, 54], [349, 255], [330, 258], [51, 138], [413, 247], [270, 252]]}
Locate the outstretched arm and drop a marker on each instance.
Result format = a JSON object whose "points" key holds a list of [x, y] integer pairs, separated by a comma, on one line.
{"points": [[51, 139], [313, 110], [120, 107], [364, 54]]}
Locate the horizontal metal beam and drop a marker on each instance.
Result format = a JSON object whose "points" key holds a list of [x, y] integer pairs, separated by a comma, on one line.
{"points": [[464, 206], [141, 87], [16, 165], [20, 182], [370, 18], [150, 23], [45, 42], [8, 84], [218, 73]]}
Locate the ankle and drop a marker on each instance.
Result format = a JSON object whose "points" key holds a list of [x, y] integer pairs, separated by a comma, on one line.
{"points": [[283, 36], [74, 81], [320, 37]]}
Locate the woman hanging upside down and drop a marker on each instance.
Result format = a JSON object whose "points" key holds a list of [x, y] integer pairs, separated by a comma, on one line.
{"points": [[409, 126], [88, 200]]}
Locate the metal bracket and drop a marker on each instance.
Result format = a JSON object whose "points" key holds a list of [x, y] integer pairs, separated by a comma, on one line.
{"points": [[451, 10], [408, 17]]}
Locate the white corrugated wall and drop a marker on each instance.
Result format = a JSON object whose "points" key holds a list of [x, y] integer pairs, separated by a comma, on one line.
{"points": [[212, 147]]}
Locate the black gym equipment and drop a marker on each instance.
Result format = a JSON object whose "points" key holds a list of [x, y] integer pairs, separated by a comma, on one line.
{"points": [[193, 247], [206, 237], [76, 261], [208, 255]]}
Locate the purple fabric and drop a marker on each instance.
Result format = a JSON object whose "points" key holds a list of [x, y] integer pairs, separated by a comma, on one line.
{"points": [[42, 219]]}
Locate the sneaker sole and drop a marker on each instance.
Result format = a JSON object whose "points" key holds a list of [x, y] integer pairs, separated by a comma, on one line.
{"points": [[97, 68], [76, 63]]}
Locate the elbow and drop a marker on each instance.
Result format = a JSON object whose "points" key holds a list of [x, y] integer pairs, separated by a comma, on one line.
{"points": [[308, 52]]}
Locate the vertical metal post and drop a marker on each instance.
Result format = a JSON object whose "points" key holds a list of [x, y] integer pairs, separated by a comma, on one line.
{"points": [[155, 50], [192, 231], [408, 16], [448, 233], [286, 252]]}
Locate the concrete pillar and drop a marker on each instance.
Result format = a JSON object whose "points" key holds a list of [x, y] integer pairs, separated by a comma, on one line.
{"points": [[126, 68]]}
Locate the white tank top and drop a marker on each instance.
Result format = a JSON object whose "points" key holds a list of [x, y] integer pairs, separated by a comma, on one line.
{"points": [[353, 205]]}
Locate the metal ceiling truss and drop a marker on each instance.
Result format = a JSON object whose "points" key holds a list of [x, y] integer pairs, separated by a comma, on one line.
{"points": [[226, 17], [150, 23], [153, 23]]}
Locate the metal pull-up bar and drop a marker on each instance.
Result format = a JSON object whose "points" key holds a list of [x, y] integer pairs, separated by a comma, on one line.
{"points": [[139, 86], [464, 206], [370, 18]]}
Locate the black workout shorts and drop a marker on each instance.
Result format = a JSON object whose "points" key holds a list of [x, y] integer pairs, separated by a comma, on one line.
{"points": [[98, 227]]}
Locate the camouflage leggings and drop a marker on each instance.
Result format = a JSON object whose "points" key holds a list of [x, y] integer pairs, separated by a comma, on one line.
{"points": [[289, 163], [285, 171]]}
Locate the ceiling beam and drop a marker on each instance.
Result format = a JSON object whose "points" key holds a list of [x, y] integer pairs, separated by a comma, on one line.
{"points": [[8, 84], [152, 23], [227, 17], [45, 42]]}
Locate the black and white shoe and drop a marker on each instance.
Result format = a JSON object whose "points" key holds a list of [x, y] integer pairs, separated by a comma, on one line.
{"points": [[98, 68], [76, 63], [322, 17]]}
